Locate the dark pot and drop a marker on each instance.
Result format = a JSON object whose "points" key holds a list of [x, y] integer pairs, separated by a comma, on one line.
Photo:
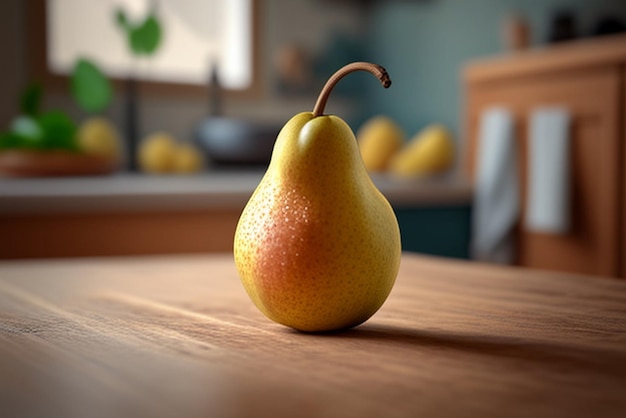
{"points": [[231, 141]]}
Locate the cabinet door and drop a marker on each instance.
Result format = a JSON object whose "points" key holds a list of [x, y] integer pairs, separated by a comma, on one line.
{"points": [[593, 98]]}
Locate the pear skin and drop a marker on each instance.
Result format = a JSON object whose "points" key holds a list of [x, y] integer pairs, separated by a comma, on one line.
{"points": [[317, 246], [379, 139]]}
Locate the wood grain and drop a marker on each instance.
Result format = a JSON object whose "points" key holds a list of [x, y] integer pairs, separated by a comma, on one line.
{"points": [[178, 336]]}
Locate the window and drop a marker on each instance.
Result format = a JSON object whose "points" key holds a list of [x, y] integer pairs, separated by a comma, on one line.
{"points": [[196, 36]]}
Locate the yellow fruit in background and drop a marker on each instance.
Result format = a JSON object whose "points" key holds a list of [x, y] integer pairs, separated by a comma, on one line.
{"points": [[98, 136], [429, 152], [187, 159], [157, 153], [379, 139]]}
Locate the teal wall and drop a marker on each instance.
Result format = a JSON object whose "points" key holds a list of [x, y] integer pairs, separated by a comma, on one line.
{"points": [[424, 44]]}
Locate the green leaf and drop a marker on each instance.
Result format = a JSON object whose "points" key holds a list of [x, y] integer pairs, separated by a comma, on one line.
{"points": [[121, 19], [31, 99], [90, 87], [145, 39], [59, 130]]}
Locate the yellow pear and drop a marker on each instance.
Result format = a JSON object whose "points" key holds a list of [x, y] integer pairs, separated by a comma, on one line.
{"points": [[379, 139], [317, 246], [187, 159], [98, 136], [429, 152], [156, 153]]}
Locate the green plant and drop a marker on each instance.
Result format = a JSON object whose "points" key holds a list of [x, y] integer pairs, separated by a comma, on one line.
{"points": [[89, 86], [35, 130], [143, 37]]}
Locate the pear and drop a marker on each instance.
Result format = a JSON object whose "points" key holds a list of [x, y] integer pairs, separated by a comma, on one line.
{"points": [[160, 153], [429, 152], [317, 246], [98, 136], [187, 159], [156, 153], [379, 139]]}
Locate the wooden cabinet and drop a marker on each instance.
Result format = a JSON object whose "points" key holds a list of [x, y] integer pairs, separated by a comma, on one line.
{"points": [[587, 78], [623, 174], [129, 214]]}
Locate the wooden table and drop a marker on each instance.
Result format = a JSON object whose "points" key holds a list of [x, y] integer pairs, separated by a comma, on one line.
{"points": [[177, 336]]}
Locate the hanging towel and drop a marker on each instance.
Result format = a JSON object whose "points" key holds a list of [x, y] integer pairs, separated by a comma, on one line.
{"points": [[548, 202], [496, 206]]}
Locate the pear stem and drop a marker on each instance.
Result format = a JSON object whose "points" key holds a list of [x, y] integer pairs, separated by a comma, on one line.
{"points": [[374, 69]]}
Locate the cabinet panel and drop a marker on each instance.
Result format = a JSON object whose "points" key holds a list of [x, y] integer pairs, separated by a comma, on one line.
{"points": [[117, 234], [622, 142], [593, 98]]}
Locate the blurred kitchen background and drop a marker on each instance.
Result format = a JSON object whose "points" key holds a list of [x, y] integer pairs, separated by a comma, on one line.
{"points": [[500, 140]]}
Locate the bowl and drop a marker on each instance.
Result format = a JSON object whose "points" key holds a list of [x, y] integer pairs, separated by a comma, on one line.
{"points": [[232, 141], [28, 163]]}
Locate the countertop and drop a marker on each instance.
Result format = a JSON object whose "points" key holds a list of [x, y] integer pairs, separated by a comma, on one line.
{"points": [[177, 336], [211, 190]]}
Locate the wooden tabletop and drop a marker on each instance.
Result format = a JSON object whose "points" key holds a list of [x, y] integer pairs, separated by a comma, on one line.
{"points": [[178, 337]]}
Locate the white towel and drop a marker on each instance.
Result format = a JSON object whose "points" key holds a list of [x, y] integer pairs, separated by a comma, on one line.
{"points": [[548, 202], [496, 206]]}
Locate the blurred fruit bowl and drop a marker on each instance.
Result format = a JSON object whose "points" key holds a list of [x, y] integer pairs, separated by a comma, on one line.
{"points": [[29, 163]]}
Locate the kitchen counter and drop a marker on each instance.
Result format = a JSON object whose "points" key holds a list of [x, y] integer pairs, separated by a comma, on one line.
{"points": [[128, 214], [177, 336], [214, 190]]}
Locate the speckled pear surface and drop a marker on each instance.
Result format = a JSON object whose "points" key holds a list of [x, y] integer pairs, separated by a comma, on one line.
{"points": [[317, 246]]}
